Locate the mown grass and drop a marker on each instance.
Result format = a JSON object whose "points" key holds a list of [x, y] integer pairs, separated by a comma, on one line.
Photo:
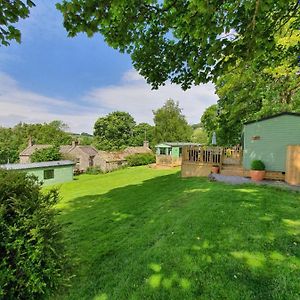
{"points": [[140, 233]]}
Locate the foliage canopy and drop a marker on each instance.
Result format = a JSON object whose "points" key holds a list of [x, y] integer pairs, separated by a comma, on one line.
{"points": [[10, 13], [114, 131], [187, 41], [170, 124]]}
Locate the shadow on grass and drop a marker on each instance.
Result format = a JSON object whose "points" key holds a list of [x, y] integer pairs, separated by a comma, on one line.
{"points": [[173, 238]]}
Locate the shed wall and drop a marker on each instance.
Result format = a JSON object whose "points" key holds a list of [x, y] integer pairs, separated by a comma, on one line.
{"points": [[61, 174], [267, 140]]}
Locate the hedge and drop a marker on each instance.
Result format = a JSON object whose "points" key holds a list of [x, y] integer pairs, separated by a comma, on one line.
{"points": [[140, 159], [32, 254]]}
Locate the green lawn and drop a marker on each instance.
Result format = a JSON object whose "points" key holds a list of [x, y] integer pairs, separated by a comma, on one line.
{"points": [[140, 233]]}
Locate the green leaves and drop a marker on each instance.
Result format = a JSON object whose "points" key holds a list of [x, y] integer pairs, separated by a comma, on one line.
{"points": [[184, 41], [170, 124], [32, 254], [114, 131], [10, 13]]}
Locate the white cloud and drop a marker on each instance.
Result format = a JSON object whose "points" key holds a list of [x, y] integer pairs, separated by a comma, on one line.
{"points": [[19, 105], [132, 94], [135, 96]]}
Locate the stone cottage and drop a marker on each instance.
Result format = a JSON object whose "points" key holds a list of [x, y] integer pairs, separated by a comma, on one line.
{"points": [[83, 156]]}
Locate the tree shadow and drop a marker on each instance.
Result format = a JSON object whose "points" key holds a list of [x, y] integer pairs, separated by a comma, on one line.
{"points": [[174, 238]]}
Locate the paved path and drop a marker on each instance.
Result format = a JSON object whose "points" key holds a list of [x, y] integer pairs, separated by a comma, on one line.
{"points": [[241, 180]]}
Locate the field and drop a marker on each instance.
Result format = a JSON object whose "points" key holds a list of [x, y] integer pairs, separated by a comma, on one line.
{"points": [[140, 233]]}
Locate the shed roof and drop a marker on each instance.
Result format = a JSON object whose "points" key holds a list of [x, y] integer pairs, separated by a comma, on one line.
{"points": [[274, 116], [176, 144], [37, 165]]}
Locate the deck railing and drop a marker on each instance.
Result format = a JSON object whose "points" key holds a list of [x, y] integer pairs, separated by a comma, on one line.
{"points": [[212, 155], [204, 155]]}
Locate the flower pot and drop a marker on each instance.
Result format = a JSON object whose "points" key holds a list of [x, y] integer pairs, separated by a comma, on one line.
{"points": [[257, 175], [215, 169]]}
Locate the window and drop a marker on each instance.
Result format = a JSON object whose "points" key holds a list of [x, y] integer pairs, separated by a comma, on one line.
{"points": [[48, 174]]}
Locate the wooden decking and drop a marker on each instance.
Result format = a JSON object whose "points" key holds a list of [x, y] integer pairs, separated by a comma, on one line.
{"points": [[198, 161]]}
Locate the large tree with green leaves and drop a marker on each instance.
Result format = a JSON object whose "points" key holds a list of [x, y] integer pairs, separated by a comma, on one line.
{"points": [[142, 132], [11, 11], [187, 41], [170, 124], [114, 131]]}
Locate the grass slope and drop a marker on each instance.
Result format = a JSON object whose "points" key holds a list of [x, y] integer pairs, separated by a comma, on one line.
{"points": [[140, 233]]}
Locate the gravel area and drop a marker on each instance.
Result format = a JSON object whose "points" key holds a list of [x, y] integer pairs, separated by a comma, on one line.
{"points": [[242, 180]]}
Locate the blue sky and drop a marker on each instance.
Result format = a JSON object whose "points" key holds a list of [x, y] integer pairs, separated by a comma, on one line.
{"points": [[50, 76]]}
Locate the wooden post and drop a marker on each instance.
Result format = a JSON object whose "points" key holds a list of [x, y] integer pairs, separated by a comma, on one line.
{"points": [[292, 175]]}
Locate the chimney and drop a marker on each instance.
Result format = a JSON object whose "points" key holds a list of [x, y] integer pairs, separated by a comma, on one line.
{"points": [[30, 143], [146, 144]]}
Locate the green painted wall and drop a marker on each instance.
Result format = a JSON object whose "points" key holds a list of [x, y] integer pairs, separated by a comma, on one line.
{"points": [[61, 174], [275, 134], [175, 151]]}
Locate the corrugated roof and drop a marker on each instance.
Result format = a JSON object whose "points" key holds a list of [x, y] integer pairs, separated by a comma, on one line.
{"points": [[31, 149], [37, 165], [274, 116]]}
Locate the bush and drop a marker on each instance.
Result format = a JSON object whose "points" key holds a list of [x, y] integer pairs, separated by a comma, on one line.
{"points": [[46, 154], [93, 170], [140, 159], [258, 165], [32, 256]]}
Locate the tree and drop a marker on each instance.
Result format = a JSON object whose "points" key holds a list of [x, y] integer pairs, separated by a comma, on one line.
{"points": [[32, 254], [209, 120], [142, 132], [47, 154], [184, 41], [199, 136], [170, 124], [114, 131], [10, 13]]}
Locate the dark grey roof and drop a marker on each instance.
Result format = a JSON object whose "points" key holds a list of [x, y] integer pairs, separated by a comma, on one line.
{"points": [[274, 116], [37, 165]]}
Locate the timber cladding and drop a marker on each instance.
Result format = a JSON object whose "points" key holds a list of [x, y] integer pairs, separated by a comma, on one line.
{"points": [[292, 175]]}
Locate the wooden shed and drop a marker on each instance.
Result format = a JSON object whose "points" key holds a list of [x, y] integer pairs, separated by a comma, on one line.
{"points": [[49, 172], [268, 139]]}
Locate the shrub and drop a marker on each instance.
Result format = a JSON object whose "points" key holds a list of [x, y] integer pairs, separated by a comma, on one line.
{"points": [[93, 170], [257, 165], [32, 256], [46, 154], [140, 159]]}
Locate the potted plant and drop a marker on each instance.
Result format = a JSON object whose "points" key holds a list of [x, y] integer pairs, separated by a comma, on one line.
{"points": [[215, 169], [257, 172]]}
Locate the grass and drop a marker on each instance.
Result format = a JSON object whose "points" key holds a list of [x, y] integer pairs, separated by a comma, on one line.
{"points": [[140, 233]]}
